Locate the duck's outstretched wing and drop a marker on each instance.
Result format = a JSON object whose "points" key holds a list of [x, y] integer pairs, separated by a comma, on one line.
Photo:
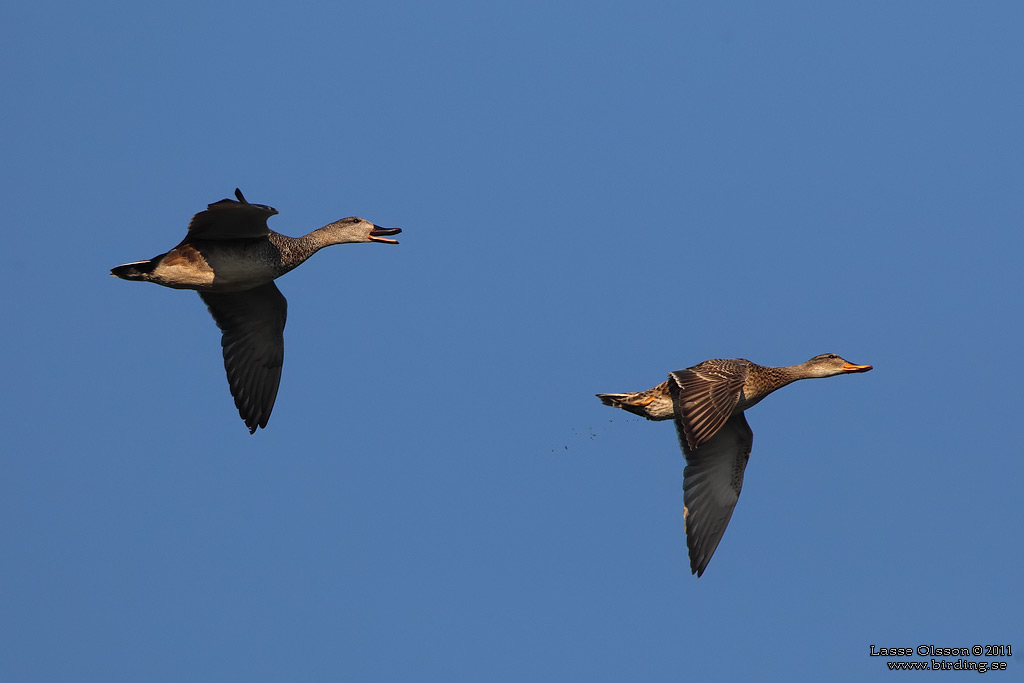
{"points": [[229, 220], [711, 486], [252, 323], [704, 397]]}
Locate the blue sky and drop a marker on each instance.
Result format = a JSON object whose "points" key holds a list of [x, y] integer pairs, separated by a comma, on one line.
{"points": [[591, 195]]}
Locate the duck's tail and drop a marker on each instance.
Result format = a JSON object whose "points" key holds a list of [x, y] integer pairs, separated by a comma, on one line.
{"points": [[627, 401], [613, 400], [138, 270]]}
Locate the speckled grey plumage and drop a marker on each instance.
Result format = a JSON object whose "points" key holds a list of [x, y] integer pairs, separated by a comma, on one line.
{"points": [[231, 257]]}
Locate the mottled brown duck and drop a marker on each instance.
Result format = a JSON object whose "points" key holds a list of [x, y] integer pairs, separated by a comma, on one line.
{"points": [[707, 403], [231, 257]]}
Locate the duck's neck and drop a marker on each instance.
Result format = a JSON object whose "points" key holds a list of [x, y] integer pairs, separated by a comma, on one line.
{"points": [[764, 379], [295, 250], [790, 373], [315, 241]]}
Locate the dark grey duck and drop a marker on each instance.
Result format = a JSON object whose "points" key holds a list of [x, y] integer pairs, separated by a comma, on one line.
{"points": [[231, 257]]}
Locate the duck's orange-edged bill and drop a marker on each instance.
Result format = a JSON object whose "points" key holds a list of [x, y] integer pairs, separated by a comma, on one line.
{"points": [[850, 367], [379, 234]]}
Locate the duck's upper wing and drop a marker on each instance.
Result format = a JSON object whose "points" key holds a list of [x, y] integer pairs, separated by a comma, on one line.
{"points": [[705, 395], [229, 219], [711, 486], [252, 323]]}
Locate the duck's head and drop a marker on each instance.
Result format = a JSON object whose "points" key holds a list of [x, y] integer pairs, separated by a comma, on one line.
{"points": [[355, 229], [829, 364]]}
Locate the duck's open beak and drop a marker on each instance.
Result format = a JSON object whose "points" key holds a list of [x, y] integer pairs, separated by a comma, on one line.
{"points": [[379, 234], [850, 367]]}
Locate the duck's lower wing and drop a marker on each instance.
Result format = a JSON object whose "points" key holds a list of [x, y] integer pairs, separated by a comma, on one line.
{"points": [[252, 323], [711, 486]]}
